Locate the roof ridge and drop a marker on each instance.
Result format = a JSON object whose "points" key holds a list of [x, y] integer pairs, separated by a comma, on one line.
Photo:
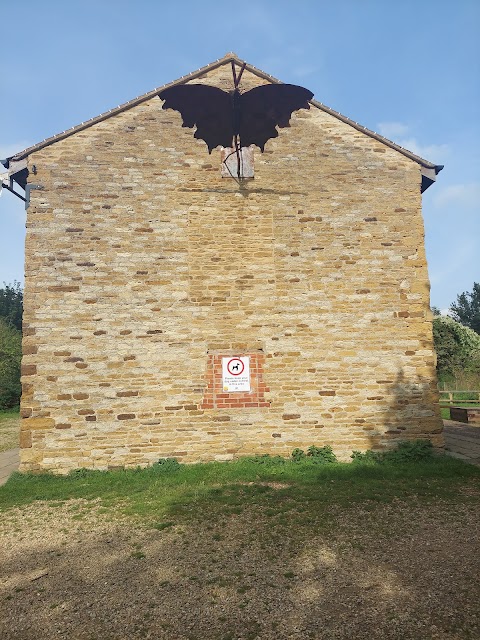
{"points": [[228, 57]]}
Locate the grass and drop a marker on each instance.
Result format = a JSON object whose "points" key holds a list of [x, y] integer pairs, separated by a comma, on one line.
{"points": [[164, 495], [459, 398], [445, 411], [236, 543], [9, 429]]}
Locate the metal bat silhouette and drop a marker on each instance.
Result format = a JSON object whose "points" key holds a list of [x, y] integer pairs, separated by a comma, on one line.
{"points": [[225, 118]]}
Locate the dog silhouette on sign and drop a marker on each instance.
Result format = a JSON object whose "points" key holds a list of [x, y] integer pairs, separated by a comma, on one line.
{"points": [[235, 367]]}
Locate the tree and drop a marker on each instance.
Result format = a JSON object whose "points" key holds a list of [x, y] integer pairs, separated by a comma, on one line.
{"points": [[458, 350], [10, 360], [467, 308], [11, 304]]}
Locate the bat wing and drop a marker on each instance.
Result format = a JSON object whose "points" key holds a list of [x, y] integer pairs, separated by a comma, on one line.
{"points": [[265, 108], [206, 107]]}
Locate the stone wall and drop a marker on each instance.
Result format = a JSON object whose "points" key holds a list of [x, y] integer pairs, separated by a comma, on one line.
{"points": [[142, 263]]}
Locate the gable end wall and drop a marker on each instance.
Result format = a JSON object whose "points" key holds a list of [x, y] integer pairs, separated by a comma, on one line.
{"points": [[144, 266]]}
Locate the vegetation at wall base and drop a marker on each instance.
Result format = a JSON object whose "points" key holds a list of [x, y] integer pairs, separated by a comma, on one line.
{"points": [[405, 452], [172, 492], [315, 455]]}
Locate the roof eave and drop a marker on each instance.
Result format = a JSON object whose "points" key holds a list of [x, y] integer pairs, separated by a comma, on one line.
{"points": [[429, 176]]}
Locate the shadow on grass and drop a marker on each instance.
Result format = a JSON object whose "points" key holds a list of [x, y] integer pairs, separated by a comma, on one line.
{"points": [[246, 550], [184, 489]]}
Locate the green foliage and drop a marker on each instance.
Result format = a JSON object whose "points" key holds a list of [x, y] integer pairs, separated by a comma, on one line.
{"points": [[214, 490], [460, 396], [316, 455], [84, 473], [10, 361], [369, 456], [457, 347], [406, 451], [166, 465], [298, 455], [265, 459], [410, 451], [322, 455], [467, 308], [11, 304]]}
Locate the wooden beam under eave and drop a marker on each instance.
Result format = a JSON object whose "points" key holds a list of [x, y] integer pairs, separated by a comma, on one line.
{"points": [[429, 175]]}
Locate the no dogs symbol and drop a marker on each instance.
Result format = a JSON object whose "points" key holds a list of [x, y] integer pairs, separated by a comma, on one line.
{"points": [[235, 367], [236, 374]]}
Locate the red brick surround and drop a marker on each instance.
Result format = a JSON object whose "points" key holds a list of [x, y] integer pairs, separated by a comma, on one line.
{"points": [[216, 398]]}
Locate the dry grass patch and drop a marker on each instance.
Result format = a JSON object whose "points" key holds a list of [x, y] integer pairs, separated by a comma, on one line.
{"points": [[405, 570], [9, 430]]}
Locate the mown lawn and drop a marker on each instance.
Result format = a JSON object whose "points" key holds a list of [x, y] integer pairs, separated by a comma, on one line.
{"points": [[177, 492]]}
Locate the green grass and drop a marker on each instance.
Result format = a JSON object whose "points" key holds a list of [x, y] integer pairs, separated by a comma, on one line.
{"points": [[163, 495], [460, 396], [9, 429], [445, 411]]}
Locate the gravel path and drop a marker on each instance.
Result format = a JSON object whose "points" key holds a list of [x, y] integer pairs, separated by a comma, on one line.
{"points": [[396, 571]]}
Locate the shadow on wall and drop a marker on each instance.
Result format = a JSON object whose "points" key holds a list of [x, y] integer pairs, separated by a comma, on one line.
{"points": [[413, 413]]}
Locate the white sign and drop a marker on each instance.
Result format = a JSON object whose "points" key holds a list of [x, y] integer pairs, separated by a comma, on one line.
{"points": [[236, 374]]}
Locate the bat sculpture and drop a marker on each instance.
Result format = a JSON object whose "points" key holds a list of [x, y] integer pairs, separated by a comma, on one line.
{"points": [[233, 118]]}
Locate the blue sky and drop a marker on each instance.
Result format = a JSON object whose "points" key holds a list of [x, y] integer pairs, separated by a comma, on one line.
{"points": [[409, 70]]}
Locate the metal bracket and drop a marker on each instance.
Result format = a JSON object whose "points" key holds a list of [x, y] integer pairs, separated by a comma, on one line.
{"points": [[12, 190], [28, 188]]}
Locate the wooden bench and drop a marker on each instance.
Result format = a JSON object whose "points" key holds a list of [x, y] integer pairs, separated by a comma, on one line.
{"points": [[469, 415]]}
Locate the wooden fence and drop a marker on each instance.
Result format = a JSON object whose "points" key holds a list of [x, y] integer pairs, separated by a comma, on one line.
{"points": [[459, 397]]}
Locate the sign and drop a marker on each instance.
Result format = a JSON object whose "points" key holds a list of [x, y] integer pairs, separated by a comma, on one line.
{"points": [[230, 162], [236, 374]]}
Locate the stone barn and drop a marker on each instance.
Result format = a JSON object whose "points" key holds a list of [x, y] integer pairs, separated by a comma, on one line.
{"points": [[175, 310]]}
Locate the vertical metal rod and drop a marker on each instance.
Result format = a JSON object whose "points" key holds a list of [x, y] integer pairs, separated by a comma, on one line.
{"points": [[240, 74], [238, 150]]}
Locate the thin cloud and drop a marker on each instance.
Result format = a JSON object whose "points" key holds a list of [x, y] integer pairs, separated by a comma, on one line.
{"points": [[392, 130], [301, 71], [397, 132], [463, 196], [432, 152]]}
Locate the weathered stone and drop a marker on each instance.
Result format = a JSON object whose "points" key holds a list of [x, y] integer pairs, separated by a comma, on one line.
{"points": [[37, 423], [316, 267], [29, 369], [25, 439]]}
